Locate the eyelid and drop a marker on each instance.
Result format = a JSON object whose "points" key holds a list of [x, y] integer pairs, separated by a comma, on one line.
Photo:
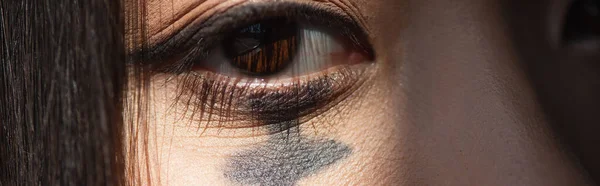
{"points": [[196, 39]]}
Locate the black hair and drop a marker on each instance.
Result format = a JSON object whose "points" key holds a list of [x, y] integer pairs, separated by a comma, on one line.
{"points": [[62, 72]]}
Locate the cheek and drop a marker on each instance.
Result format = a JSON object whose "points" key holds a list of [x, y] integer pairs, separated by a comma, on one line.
{"points": [[172, 152], [370, 122]]}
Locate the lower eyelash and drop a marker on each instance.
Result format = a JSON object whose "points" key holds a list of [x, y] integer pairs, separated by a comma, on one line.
{"points": [[223, 102]]}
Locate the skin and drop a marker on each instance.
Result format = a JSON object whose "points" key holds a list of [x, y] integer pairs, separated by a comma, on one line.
{"points": [[447, 102]]}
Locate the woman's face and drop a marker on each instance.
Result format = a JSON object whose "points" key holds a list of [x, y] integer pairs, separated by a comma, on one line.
{"points": [[364, 92]]}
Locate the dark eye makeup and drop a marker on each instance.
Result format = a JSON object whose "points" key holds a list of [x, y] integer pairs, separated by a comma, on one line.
{"points": [[263, 64]]}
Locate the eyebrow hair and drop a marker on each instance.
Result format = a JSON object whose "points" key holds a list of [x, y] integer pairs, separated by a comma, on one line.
{"points": [[200, 35]]}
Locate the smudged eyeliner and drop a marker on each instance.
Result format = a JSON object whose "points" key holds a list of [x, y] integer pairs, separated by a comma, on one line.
{"points": [[278, 107]]}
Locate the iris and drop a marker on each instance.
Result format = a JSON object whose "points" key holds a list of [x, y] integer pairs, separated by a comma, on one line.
{"points": [[263, 48]]}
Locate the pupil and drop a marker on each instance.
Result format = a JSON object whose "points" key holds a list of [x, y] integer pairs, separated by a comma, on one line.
{"points": [[263, 48]]}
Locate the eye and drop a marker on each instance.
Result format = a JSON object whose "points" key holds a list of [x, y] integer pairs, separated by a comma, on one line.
{"points": [[262, 39], [264, 48], [279, 63], [583, 21], [280, 48]]}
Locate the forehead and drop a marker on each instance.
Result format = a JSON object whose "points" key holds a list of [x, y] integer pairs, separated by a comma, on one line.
{"points": [[164, 17]]}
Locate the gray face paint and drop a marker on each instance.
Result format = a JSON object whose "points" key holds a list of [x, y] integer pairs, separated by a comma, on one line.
{"points": [[284, 159], [286, 156]]}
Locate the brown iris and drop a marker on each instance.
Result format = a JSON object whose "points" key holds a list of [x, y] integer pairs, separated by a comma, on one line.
{"points": [[263, 48]]}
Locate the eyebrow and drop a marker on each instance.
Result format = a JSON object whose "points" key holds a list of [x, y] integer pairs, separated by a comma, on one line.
{"points": [[202, 34]]}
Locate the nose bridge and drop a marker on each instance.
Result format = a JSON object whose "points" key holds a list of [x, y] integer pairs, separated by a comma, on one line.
{"points": [[461, 54], [473, 117]]}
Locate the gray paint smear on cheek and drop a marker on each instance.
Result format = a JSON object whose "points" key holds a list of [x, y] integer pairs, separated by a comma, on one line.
{"points": [[285, 158]]}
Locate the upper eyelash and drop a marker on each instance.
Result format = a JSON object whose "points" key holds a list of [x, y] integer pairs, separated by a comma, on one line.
{"points": [[195, 41]]}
